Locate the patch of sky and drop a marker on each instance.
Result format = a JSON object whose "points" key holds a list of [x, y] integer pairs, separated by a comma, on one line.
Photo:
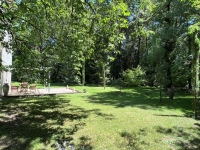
{"points": [[18, 1], [51, 41], [130, 18], [191, 22]]}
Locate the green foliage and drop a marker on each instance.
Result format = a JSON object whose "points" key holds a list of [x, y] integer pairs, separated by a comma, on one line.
{"points": [[134, 77], [180, 76], [46, 33], [195, 3]]}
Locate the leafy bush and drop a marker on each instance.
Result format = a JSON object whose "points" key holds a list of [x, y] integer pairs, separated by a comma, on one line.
{"points": [[116, 82], [180, 76], [134, 77]]}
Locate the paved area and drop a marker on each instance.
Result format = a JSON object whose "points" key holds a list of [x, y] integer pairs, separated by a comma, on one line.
{"points": [[46, 91]]}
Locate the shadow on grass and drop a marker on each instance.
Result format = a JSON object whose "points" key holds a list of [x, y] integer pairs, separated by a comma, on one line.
{"points": [[175, 138], [134, 140], [144, 98], [187, 115], [181, 138], [24, 121]]}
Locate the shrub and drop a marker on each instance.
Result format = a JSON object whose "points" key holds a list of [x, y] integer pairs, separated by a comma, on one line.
{"points": [[134, 77]]}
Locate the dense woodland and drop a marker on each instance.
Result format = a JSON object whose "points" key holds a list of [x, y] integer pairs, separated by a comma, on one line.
{"points": [[129, 42]]}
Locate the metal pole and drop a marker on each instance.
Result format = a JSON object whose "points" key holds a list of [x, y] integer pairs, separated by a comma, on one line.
{"points": [[49, 82]]}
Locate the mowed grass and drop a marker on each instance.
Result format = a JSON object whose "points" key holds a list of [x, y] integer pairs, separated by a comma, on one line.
{"points": [[99, 119]]}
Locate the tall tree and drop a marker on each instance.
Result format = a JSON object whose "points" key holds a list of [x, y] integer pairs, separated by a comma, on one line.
{"points": [[111, 17], [195, 40], [195, 66]]}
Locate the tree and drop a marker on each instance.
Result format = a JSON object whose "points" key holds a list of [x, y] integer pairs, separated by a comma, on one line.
{"points": [[195, 65], [46, 33], [110, 18], [193, 30]]}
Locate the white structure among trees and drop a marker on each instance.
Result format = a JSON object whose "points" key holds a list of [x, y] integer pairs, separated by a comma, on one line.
{"points": [[6, 57]]}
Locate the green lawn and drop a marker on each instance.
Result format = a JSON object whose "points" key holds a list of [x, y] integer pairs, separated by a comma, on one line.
{"points": [[133, 119]]}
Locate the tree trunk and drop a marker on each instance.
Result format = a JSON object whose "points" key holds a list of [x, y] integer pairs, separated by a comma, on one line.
{"points": [[160, 91], [190, 64], [138, 52], [169, 76], [83, 72], [195, 74], [169, 47], [104, 76], [189, 83]]}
